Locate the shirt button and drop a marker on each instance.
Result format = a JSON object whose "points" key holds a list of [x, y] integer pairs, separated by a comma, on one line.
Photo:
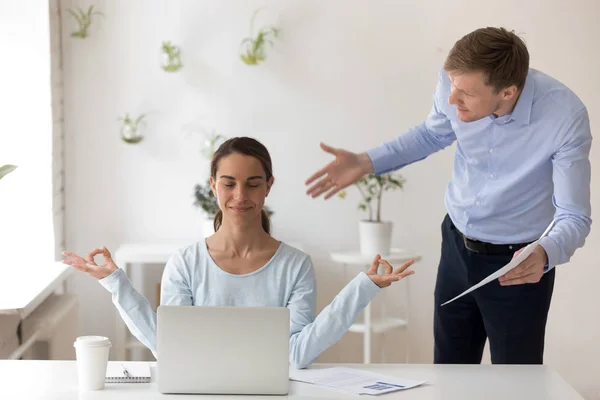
{"points": [[478, 203], [492, 176], [491, 150], [470, 225]]}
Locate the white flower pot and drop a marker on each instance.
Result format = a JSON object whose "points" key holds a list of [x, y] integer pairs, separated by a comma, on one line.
{"points": [[207, 227], [375, 238]]}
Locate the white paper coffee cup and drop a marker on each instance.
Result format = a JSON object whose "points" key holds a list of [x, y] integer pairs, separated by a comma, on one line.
{"points": [[92, 357]]}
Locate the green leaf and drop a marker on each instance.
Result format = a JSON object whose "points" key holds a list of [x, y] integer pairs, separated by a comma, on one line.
{"points": [[248, 59], [254, 52], [6, 169], [206, 199], [77, 17]]}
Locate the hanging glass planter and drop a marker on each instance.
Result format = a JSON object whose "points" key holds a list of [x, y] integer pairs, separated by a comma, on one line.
{"points": [[252, 48], [170, 57], [132, 129]]}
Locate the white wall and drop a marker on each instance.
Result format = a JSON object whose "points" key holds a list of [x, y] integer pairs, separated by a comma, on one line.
{"points": [[352, 74]]}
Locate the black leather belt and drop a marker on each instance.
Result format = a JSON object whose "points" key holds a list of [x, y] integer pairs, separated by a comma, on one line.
{"points": [[486, 248], [490, 248]]}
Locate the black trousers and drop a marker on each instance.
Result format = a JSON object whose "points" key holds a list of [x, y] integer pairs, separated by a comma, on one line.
{"points": [[513, 318]]}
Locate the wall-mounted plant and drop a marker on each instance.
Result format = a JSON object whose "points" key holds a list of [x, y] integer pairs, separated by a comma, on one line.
{"points": [[131, 129], [252, 49], [84, 20], [170, 57], [6, 169], [211, 143]]}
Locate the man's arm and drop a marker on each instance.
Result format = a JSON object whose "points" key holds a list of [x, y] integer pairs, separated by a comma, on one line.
{"points": [[571, 177], [433, 135]]}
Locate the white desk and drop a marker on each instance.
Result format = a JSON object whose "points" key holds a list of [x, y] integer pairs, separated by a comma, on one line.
{"points": [[54, 380], [384, 323]]}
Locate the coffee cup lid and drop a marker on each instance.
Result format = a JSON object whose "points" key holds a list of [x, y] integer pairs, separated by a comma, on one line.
{"points": [[92, 341]]}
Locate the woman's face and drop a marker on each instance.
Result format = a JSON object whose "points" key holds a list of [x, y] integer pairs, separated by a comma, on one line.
{"points": [[240, 186]]}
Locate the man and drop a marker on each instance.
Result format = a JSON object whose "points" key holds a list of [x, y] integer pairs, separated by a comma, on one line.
{"points": [[523, 142]]}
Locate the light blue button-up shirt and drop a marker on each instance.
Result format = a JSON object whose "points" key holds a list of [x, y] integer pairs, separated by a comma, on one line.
{"points": [[513, 174]]}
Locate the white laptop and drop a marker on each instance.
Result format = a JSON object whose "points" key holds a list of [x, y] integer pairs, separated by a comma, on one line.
{"points": [[223, 350]]}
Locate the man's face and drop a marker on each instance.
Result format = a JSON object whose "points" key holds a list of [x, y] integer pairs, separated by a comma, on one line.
{"points": [[473, 98]]}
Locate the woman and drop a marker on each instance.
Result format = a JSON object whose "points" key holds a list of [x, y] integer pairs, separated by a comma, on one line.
{"points": [[243, 265]]}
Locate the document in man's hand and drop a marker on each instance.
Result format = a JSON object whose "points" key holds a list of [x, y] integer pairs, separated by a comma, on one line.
{"points": [[511, 265], [353, 380]]}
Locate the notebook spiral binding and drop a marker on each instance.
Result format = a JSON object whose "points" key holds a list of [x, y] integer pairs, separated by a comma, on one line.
{"points": [[125, 379]]}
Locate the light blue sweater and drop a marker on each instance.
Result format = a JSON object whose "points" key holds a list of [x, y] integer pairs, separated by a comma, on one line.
{"points": [[191, 277]]}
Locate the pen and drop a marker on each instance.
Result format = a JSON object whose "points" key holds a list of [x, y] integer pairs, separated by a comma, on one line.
{"points": [[125, 372]]}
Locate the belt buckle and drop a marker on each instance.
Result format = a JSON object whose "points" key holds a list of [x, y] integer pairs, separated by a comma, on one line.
{"points": [[466, 241]]}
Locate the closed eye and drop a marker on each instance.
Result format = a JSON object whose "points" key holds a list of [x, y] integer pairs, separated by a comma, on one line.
{"points": [[233, 184]]}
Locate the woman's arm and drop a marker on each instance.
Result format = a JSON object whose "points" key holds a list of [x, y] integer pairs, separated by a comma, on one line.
{"points": [[135, 309], [310, 336]]}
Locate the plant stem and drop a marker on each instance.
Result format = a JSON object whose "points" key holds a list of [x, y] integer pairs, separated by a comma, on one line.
{"points": [[379, 196], [367, 203]]}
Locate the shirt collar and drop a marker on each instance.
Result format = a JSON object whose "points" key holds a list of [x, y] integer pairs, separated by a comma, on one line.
{"points": [[522, 111]]}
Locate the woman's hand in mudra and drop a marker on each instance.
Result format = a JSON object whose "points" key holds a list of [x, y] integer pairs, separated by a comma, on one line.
{"points": [[389, 274], [88, 264]]}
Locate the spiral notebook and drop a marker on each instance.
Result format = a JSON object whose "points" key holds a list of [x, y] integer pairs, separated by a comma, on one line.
{"points": [[127, 372]]}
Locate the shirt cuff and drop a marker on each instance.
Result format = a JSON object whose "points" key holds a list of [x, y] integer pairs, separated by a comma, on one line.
{"points": [[113, 281], [377, 156], [551, 249]]}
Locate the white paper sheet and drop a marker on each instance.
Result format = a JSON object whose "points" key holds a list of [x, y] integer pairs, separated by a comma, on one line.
{"points": [[512, 264], [353, 380]]}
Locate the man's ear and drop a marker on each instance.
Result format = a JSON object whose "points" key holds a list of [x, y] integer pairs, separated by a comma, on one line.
{"points": [[269, 184], [510, 92]]}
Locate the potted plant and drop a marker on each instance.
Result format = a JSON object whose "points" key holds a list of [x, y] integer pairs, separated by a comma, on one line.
{"points": [[252, 49], [203, 194], [170, 57], [131, 130], [84, 20], [206, 200], [375, 235], [6, 169]]}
